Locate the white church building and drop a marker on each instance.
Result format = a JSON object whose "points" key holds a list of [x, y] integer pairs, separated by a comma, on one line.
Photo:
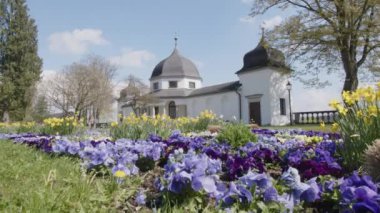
{"points": [[258, 94]]}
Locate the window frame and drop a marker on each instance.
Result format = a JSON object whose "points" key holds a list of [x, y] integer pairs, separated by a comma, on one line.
{"points": [[191, 84], [156, 110], [171, 86], [282, 106], [156, 86]]}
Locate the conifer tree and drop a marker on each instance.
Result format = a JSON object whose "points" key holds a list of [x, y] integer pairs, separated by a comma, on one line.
{"points": [[40, 109], [20, 65]]}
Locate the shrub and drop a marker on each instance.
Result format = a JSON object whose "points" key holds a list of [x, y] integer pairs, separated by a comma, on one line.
{"points": [[358, 122], [372, 160], [236, 134]]}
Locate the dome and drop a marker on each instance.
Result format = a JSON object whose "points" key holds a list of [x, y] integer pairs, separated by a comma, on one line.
{"points": [[175, 66], [263, 56]]}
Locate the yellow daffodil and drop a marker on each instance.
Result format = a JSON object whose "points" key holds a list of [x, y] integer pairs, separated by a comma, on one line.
{"points": [[367, 120], [343, 111], [114, 124], [369, 95], [372, 110], [335, 127], [334, 104], [360, 113], [348, 98], [144, 117], [120, 174]]}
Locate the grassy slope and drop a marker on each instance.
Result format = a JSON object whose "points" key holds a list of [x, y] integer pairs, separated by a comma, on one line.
{"points": [[32, 181]]}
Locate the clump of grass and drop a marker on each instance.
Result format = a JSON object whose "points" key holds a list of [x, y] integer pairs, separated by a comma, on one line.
{"points": [[236, 134]]}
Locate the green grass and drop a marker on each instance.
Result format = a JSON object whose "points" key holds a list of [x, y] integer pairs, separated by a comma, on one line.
{"points": [[314, 127], [32, 181]]}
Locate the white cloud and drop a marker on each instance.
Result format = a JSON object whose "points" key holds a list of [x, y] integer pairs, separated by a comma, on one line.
{"points": [[132, 58], [77, 41], [272, 22], [247, 19]]}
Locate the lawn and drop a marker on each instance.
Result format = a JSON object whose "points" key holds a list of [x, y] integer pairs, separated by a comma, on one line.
{"points": [[313, 127], [32, 181]]}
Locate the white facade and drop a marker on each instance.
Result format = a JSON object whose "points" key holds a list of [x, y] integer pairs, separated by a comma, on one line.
{"points": [[266, 85], [259, 95], [224, 105], [163, 83]]}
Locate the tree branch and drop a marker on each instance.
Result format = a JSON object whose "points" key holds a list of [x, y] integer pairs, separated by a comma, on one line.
{"points": [[366, 48]]}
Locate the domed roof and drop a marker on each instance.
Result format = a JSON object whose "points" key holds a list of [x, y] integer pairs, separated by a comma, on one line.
{"points": [[175, 66], [263, 55]]}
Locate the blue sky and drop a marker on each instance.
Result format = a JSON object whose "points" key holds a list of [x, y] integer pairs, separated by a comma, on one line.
{"points": [[136, 35]]}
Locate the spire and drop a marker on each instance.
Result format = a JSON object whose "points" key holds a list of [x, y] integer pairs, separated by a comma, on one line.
{"points": [[175, 40]]}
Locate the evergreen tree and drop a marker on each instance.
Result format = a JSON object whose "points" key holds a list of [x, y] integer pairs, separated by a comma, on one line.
{"points": [[20, 65], [40, 109]]}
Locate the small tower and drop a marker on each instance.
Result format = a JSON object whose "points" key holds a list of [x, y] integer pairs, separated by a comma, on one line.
{"points": [[175, 73], [263, 77]]}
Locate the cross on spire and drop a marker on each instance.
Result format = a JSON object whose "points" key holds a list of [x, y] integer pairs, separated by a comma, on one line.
{"points": [[175, 40]]}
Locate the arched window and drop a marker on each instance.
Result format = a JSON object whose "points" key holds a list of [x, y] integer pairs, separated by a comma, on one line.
{"points": [[172, 110]]}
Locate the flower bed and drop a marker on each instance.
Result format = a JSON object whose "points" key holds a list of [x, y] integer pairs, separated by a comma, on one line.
{"points": [[283, 170]]}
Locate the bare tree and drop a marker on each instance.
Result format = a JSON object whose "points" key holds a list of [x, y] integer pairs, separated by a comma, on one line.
{"points": [[326, 34], [84, 88], [136, 94]]}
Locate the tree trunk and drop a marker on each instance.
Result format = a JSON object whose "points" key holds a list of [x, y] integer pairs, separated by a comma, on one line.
{"points": [[6, 117], [79, 115], [351, 69], [351, 82]]}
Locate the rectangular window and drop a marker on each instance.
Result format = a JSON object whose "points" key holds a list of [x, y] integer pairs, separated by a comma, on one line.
{"points": [[173, 84], [282, 106], [155, 86], [191, 85], [156, 110]]}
